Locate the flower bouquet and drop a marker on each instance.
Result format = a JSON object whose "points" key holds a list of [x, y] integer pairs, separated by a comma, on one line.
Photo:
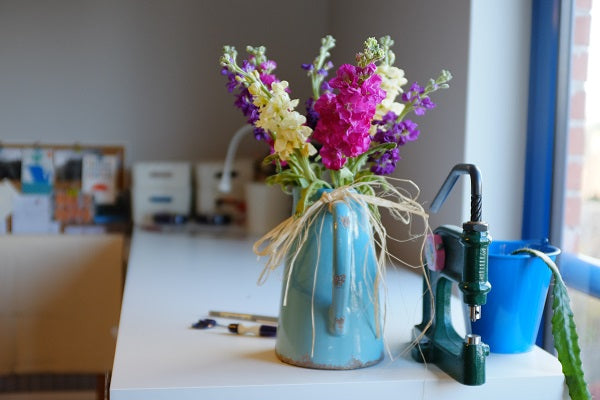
{"points": [[354, 123], [335, 159]]}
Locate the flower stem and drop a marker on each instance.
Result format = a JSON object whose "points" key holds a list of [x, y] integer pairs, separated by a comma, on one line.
{"points": [[327, 43]]}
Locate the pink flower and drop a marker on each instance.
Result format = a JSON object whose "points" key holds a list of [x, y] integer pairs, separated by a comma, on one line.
{"points": [[332, 159], [346, 77], [268, 79], [345, 117]]}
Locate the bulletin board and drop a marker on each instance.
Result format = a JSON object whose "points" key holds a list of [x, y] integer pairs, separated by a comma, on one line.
{"points": [[81, 184], [66, 162]]}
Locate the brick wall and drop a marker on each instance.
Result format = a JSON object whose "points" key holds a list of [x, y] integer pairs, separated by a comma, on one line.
{"points": [[577, 127]]}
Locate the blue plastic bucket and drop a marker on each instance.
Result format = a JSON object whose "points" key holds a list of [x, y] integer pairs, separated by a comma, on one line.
{"points": [[511, 317]]}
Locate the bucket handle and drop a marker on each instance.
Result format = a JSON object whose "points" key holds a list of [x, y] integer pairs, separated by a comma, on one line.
{"points": [[342, 258]]}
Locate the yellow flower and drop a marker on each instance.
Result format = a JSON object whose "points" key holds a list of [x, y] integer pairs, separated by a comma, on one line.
{"points": [[277, 115], [392, 80], [259, 97]]}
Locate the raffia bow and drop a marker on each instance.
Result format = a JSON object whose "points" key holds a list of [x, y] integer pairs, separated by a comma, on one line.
{"points": [[277, 243], [287, 238]]}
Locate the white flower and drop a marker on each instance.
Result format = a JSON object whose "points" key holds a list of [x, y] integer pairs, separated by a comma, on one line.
{"points": [[392, 80], [277, 115]]}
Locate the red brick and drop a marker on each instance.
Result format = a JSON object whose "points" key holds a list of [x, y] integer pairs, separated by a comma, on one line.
{"points": [[581, 34], [576, 141], [583, 5], [579, 66], [573, 211], [574, 175], [578, 105]]}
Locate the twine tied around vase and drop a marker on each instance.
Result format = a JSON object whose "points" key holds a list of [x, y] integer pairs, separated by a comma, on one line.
{"points": [[287, 238]]}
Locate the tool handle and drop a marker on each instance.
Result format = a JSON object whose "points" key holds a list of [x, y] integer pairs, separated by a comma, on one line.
{"points": [[257, 330], [246, 317], [455, 173]]}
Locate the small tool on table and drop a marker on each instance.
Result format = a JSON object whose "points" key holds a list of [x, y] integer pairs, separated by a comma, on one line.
{"points": [[245, 317], [239, 329]]}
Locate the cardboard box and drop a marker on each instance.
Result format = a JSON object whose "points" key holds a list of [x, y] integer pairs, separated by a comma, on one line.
{"points": [[60, 299]]}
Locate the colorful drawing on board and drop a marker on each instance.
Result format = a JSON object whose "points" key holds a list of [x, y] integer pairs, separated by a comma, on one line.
{"points": [[99, 177], [37, 171]]}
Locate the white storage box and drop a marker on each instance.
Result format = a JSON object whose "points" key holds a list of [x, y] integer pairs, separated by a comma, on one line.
{"points": [[148, 201], [209, 199], [162, 174], [161, 187]]}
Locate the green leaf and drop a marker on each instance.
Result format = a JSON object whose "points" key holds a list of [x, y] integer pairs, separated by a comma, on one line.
{"points": [[355, 165], [564, 332], [306, 195], [271, 158], [346, 174]]}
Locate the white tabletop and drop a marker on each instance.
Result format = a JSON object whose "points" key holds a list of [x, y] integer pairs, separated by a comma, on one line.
{"points": [[174, 279]]}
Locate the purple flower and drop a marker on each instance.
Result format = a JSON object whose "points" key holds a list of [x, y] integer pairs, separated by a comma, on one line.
{"points": [[425, 103], [419, 102], [243, 101], [247, 66], [268, 66], [312, 117], [232, 83], [409, 130], [307, 67], [261, 135], [389, 130], [386, 163], [243, 98], [325, 87]]}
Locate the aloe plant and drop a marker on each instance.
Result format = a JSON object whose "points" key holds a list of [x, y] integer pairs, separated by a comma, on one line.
{"points": [[566, 340]]}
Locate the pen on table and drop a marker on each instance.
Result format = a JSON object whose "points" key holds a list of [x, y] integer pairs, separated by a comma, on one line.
{"points": [[245, 317], [239, 329]]}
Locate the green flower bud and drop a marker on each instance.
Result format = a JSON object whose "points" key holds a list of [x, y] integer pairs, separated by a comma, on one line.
{"points": [[371, 53], [386, 42]]}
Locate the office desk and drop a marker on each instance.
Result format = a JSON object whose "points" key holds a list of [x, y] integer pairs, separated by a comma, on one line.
{"points": [[175, 279]]}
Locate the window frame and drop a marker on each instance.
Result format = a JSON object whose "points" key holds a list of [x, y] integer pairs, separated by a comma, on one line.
{"points": [[547, 142]]}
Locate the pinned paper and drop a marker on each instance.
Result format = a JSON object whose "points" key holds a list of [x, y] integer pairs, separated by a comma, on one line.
{"points": [[32, 213], [7, 193], [100, 177], [37, 171]]}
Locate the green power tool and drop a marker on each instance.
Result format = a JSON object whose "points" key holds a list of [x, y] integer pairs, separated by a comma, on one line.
{"points": [[456, 256]]}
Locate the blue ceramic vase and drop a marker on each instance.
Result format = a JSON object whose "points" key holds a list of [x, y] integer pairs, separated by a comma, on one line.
{"points": [[328, 317]]}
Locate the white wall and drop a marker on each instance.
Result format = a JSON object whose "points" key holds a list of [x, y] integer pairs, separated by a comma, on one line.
{"points": [[429, 36], [144, 74], [141, 73], [496, 118], [481, 119]]}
